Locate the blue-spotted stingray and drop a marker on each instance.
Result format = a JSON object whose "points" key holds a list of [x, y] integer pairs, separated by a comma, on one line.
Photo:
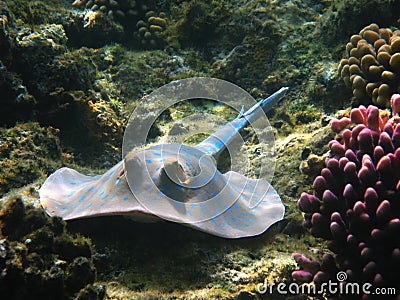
{"points": [[174, 182]]}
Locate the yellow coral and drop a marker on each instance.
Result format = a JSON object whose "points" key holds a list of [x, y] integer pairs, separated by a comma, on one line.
{"points": [[372, 68], [90, 18]]}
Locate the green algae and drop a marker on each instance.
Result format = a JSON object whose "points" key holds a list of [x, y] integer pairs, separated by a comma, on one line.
{"points": [[27, 152]]}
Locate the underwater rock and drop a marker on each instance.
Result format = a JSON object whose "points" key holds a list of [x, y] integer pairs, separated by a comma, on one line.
{"points": [[45, 82], [27, 151], [16, 102], [30, 261], [372, 68], [355, 206]]}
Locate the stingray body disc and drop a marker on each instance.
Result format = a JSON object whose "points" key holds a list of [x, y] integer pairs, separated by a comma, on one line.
{"points": [[193, 191]]}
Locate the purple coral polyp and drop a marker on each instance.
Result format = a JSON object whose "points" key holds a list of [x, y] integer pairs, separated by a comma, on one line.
{"points": [[356, 201]]}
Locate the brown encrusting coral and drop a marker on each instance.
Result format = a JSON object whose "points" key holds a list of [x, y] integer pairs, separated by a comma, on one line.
{"points": [[39, 259], [372, 68]]}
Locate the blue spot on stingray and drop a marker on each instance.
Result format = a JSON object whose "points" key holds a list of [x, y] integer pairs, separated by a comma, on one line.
{"points": [[228, 209], [100, 194], [213, 195], [162, 160], [213, 222], [81, 199], [189, 213], [125, 198], [246, 225], [89, 205], [90, 189], [166, 187], [105, 197], [197, 182], [102, 204], [188, 163], [204, 179], [154, 179], [109, 175], [193, 205], [72, 183], [245, 215], [227, 223], [219, 203], [179, 188], [70, 194], [236, 206], [156, 154], [148, 186], [63, 208], [112, 197], [217, 211], [148, 161], [155, 198], [177, 205], [158, 169], [135, 188], [118, 183], [230, 193], [233, 220]]}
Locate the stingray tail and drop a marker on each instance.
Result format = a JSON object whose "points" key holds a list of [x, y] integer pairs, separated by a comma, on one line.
{"points": [[216, 143]]}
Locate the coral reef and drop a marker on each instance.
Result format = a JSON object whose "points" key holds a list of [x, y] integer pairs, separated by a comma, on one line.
{"points": [[120, 10], [27, 152], [138, 19], [151, 30], [355, 206], [39, 259], [88, 93], [373, 65]]}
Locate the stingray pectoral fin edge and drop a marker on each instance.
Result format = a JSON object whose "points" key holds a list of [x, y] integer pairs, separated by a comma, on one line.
{"points": [[241, 219]]}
